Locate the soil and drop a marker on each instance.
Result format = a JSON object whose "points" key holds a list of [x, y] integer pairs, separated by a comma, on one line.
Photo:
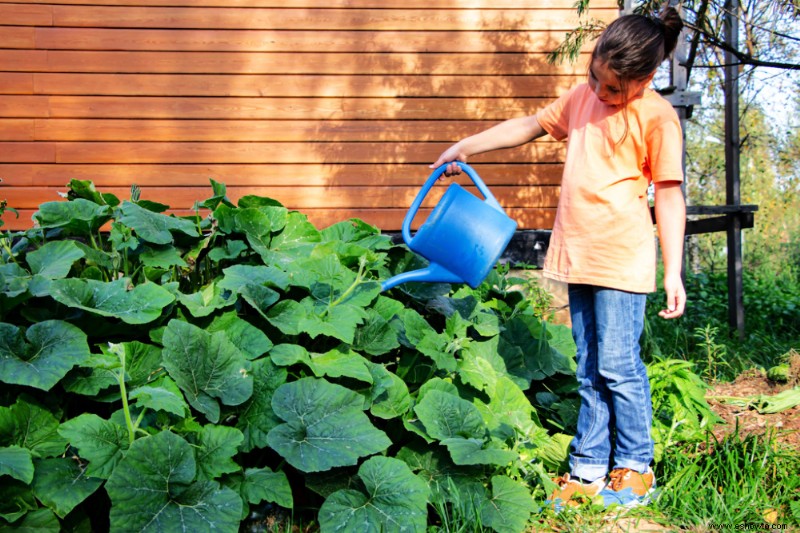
{"points": [[733, 402]]}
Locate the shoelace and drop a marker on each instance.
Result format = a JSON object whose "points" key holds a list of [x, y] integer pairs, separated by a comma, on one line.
{"points": [[562, 481], [618, 476]]}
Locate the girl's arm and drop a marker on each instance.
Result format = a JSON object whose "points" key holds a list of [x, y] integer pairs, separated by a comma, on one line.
{"points": [[671, 224], [512, 132]]}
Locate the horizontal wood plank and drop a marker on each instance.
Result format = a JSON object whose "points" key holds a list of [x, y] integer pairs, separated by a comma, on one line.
{"points": [[328, 174], [245, 131], [289, 152], [296, 85], [282, 108], [16, 83], [17, 129], [282, 63], [323, 18], [339, 41], [24, 61], [19, 14], [25, 106], [27, 152], [16, 36], [383, 219], [356, 4]]}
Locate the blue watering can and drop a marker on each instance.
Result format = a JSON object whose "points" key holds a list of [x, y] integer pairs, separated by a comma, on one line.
{"points": [[462, 238]]}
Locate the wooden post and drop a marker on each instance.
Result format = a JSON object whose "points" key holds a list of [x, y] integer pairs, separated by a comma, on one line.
{"points": [[732, 188]]}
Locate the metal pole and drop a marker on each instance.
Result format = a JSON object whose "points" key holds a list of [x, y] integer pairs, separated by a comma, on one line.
{"points": [[732, 189]]}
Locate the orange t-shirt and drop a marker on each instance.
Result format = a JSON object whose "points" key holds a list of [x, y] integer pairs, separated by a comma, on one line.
{"points": [[603, 233]]}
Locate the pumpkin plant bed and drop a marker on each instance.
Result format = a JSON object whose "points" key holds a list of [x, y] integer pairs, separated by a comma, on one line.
{"points": [[173, 373]]}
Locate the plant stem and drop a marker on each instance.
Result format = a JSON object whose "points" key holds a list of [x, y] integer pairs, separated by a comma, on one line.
{"points": [[119, 350]]}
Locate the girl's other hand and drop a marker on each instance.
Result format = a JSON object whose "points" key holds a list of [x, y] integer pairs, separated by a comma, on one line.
{"points": [[676, 297]]}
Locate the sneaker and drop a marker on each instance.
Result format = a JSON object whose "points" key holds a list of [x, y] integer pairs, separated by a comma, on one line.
{"points": [[573, 492], [628, 488]]}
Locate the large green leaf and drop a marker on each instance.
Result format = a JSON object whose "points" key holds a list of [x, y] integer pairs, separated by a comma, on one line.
{"points": [[154, 227], [395, 500], [315, 318], [100, 442], [29, 425], [16, 500], [138, 305], [376, 336], [163, 257], [207, 367], [16, 462], [254, 284], [262, 484], [325, 426], [341, 362], [154, 488], [473, 451], [78, 216], [389, 393], [37, 521], [508, 406], [509, 508], [448, 482], [525, 347], [446, 415], [250, 340], [214, 451], [207, 300], [61, 484], [162, 395], [256, 417], [295, 242], [14, 280], [43, 356], [54, 260]]}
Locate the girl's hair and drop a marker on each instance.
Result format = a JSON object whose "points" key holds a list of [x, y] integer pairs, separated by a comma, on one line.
{"points": [[633, 46]]}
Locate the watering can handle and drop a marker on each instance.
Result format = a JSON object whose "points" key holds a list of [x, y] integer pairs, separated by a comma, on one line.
{"points": [[412, 211]]}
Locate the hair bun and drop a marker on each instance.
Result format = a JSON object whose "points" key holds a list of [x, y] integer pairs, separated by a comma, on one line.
{"points": [[672, 25]]}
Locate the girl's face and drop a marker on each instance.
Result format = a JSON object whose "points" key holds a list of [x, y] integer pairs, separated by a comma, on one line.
{"points": [[607, 87]]}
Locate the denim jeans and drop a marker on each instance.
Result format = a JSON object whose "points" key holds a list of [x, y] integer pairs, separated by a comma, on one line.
{"points": [[616, 412]]}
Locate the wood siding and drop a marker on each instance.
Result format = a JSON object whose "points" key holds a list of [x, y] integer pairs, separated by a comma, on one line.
{"points": [[333, 107]]}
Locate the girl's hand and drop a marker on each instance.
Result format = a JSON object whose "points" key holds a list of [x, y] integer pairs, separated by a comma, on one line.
{"points": [[676, 297], [452, 154]]}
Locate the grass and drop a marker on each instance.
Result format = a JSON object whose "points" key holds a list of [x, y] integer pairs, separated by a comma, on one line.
{"points": [[735, 481]]}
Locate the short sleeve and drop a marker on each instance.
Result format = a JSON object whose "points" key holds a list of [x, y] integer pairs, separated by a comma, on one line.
{"points": [[555, 117], [665, 151]]}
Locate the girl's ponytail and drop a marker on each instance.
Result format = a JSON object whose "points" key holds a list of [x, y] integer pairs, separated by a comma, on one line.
{"points": [[672, 25], [633, 46]]}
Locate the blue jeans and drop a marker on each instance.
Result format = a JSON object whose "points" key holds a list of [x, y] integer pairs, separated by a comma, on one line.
{"points": [[612, 382]]}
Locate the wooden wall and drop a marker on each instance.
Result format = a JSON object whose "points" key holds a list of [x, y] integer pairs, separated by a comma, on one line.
{"points": [[333, 107]]}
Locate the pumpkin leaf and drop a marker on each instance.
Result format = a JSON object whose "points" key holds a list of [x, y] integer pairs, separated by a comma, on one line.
{"points": [[325, 426], [393, 500], [43, 356]]}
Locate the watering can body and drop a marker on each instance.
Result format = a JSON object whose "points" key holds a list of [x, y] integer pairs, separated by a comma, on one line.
{"points": [[462, 238]]}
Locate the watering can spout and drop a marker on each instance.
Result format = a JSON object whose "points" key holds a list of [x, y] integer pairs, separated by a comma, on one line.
{"points": [[462, 238], [433, 273]]}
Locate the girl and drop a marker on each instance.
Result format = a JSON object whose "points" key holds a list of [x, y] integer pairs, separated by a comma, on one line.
{"points": [[621, 136]]}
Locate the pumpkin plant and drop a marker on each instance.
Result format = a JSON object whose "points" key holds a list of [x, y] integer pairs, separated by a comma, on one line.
{"points": [[174, 373]]}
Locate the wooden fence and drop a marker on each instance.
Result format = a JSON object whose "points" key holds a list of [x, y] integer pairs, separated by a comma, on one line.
{"points": [[333, 107]]}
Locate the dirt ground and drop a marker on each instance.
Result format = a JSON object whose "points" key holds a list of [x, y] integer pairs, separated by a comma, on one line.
{"points": [[724, 400]]}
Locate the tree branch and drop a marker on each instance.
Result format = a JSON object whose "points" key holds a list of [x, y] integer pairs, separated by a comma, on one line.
{"points": [[744, 59]]}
